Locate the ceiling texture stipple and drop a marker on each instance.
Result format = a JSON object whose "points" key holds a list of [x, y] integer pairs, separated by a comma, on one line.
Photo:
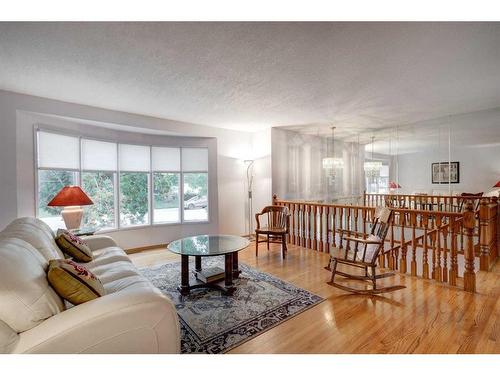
{"points": [[251, 76]]}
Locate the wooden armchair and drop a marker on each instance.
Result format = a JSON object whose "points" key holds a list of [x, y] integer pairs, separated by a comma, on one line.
{"points": [[276, 227], [364, 254]]}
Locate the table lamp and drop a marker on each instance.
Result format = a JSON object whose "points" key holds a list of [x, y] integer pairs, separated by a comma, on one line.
{"points": [[71, 198], [393, 186]]}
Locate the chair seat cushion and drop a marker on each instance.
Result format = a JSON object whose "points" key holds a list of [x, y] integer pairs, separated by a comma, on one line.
{"points": [[338, 253], [371, 251], [269, 230]]}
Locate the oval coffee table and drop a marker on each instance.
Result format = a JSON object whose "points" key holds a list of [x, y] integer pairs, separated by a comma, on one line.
{"points": [[206, 246]]}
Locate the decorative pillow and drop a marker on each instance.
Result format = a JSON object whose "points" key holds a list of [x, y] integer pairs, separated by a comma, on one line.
{"points": [[371, 248], [73, 246], [73, 282]]}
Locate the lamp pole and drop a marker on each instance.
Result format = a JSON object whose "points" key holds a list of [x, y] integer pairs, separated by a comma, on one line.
{"points": [[249, 197]]}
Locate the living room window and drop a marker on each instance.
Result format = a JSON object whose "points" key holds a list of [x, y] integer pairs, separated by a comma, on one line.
{"points": [[130, 185], [166, 166], [195, 183]]}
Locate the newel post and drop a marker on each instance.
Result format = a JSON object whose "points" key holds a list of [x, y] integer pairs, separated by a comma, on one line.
{"points": [[469, 224], [496, 248], [275, 199], [484, 235]]}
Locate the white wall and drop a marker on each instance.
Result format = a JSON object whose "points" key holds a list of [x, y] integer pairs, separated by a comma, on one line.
{"points": [[17, 113], [479, 169]]}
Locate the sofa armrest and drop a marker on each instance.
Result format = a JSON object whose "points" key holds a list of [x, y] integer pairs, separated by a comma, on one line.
{"points": [[99, 242], [138, 320]]}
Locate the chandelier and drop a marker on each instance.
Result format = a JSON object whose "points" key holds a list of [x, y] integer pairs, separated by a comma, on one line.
{"points": [[372, 168], [332, 163]]}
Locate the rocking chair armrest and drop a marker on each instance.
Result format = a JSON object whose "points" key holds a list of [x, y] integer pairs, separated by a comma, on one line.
{"points": [[350, 232], [362, 240]]}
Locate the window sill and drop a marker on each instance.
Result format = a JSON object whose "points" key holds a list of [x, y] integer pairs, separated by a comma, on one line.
{"points": [[112, 230]]}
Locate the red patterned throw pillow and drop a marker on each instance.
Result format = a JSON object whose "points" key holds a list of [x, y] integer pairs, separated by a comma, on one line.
{"points": [[73, 282], [73, 246]]}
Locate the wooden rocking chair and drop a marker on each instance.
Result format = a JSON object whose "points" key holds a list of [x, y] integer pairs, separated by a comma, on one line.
{"points": [[364, 258], [278, 226]]}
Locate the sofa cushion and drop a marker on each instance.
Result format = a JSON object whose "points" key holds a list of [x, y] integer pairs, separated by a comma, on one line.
{"points": [[73, 246], [108, 255], [26, 298], [126, 283], [8, 338], [113, 271], [36, 233], [73, 282]]}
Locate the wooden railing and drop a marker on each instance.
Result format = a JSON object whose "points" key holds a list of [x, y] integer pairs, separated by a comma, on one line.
{"points": [[440, 245], [450, 203]]}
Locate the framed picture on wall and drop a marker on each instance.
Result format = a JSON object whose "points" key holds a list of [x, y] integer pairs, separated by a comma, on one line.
{"points": [[444, 172]]}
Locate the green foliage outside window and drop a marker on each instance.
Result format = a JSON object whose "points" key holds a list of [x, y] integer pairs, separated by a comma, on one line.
{"points": [[195, 184], [133, 198], [50, 182], [166, 190], [99, 186]]}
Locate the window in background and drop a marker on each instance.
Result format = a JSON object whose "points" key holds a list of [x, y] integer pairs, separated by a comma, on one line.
{"points": [[383, 181], [100, 187], [166, 188], [134, 184], [99, 164], [50, 182], [134, 198], [378, 183], [195, 183], [58, 160]]}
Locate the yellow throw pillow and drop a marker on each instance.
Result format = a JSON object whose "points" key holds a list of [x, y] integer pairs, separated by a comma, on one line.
{"points": [[73, 246], [73, 282]]}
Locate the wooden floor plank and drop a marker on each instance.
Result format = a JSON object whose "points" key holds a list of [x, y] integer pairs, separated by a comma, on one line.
{"points": [[426, 317]]}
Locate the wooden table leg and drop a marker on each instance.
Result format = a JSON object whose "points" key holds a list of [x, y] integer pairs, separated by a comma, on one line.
{"points": [[197, 263], [184, 287], [228, 279], [236, 268]]}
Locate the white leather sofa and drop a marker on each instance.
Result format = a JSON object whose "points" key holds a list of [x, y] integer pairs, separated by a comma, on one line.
{"points": [[133, 316]]}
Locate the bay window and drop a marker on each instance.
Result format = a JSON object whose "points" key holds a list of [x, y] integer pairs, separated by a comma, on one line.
{"points": [[130, 185]]}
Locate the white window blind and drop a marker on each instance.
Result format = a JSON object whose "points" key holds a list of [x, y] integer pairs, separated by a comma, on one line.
{"points": [[194, 159], [98, 155], [134, 158], [166, 159], [58, 151]]}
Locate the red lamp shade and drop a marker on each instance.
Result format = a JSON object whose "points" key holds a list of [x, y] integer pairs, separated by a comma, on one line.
{"points": [[393, 185], [497, 184], [70, 196]]}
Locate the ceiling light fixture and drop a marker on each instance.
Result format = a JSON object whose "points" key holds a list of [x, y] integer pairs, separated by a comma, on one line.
{"points": [[372, 168], [332, 163]]}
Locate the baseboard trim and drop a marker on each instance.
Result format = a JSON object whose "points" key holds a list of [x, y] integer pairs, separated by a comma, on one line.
{"points": [[135, 250]]}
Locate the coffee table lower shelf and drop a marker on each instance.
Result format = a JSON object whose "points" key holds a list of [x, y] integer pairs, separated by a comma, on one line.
{"points": [[224, 283]]}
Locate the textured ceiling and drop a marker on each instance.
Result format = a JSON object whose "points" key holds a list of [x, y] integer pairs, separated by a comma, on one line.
{"points": [[250, 76]]}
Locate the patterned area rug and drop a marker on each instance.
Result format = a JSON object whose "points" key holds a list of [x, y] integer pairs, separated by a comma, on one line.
{"points": [[214, 323]]}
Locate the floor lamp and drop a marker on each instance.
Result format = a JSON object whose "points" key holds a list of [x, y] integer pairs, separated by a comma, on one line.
{"points": [[249, 164]]}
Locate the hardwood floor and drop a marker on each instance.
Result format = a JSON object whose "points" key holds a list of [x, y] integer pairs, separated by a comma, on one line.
{"points": [[426, 317]]}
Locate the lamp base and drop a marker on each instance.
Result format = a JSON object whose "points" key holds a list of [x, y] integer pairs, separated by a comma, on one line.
{"points": [[72, 216]]}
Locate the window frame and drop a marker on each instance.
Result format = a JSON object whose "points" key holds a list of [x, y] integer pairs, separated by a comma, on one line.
{"points": [[117, 191]]}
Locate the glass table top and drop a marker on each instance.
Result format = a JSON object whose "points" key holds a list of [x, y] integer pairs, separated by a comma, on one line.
{"points": [[208, 245]]}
